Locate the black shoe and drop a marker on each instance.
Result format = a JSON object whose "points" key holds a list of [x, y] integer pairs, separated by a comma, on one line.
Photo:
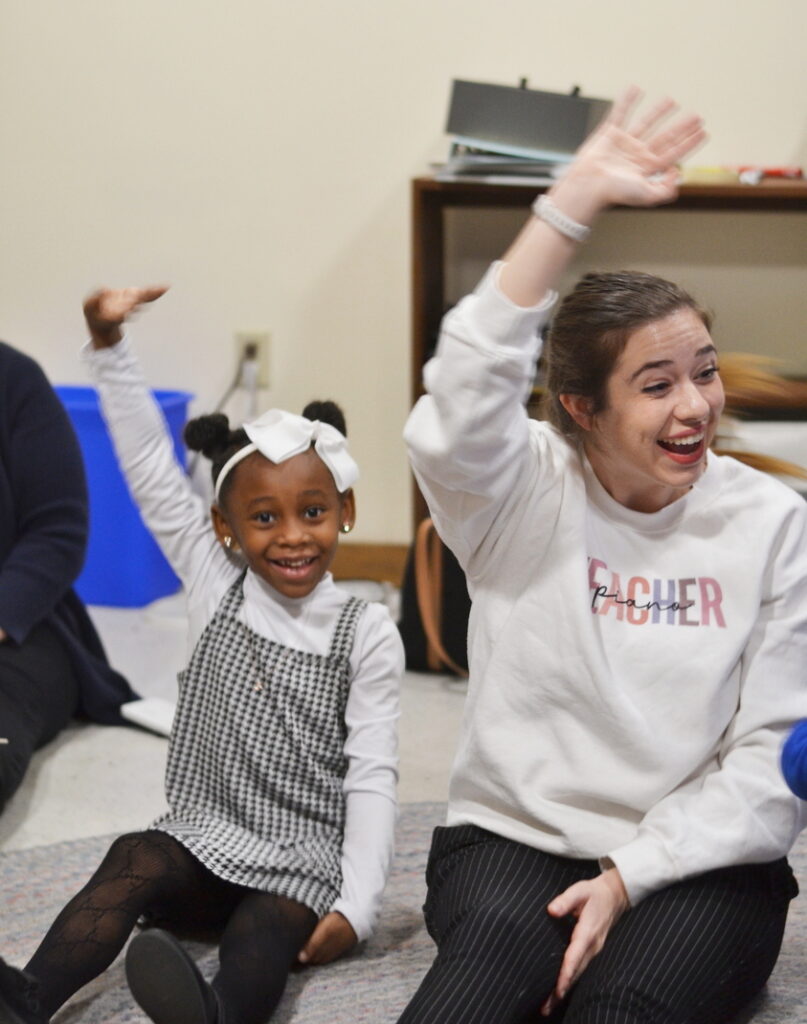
{"points": [[18, 998], [166, 982]]}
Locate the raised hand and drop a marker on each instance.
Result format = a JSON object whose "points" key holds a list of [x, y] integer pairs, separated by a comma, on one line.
{"points": [[597, 904], [108, 308], [632, 160], [628, 160]]}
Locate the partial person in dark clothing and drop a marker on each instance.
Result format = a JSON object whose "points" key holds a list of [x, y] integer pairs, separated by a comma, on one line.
{"points": [[52, 663]]}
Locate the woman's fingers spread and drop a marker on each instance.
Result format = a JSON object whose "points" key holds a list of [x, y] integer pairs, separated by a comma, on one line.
{"points": [[684, 129], [649, 122], [623, 105], [683, 144]]}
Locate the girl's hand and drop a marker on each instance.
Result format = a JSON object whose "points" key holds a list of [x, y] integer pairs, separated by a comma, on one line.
{"points": [[332, 937], [597, 904], [629, 160], [107, 309]]}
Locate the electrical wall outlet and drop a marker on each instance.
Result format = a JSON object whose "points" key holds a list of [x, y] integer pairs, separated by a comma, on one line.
{"points": [[246, 341]]}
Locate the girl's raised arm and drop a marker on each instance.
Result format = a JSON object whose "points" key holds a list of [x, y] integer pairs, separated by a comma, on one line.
{"points": [[176, 516], [628, 160]]}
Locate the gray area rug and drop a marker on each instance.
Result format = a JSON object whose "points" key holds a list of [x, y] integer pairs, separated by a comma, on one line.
{"points": [[372, 985]]}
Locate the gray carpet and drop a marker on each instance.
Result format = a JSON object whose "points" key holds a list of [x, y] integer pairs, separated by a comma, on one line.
{"points": [[372, 985]]}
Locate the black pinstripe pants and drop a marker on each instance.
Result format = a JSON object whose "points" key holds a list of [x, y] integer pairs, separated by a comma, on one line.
{"points": [[693, 953]]}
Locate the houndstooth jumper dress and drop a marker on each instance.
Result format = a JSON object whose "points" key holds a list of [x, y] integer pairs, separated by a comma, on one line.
{"points": [[256, 759]]}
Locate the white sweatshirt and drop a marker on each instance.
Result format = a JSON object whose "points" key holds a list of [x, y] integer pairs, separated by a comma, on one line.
{"points": [[180, 522], [632, 675]]}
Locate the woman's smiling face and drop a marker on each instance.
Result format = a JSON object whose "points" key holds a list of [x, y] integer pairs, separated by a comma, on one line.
{"points": [[664, 400]]}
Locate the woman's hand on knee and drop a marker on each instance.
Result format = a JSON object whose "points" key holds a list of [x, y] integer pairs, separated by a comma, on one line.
{"points": [[332, 937], [597, 904]]}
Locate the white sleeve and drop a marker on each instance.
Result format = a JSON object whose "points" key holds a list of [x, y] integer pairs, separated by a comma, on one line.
{"points": [[742, 811], [468, 435], [175, 515], [370, 782]]}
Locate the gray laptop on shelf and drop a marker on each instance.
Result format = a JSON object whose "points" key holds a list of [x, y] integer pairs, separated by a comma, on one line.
{"points": [[521, 122]]}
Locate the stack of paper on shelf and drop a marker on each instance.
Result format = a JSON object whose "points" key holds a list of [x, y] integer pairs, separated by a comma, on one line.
{"points": [[505, 133]]}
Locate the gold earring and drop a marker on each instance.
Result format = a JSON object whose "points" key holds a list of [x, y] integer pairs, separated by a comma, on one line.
{"points": [[346, 527], [228, 542]]}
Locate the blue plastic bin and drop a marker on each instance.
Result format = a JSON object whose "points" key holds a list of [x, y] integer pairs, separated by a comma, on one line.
{"points": [[124, 566]]}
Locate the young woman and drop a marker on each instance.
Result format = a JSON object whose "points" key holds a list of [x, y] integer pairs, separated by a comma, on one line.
{"points": [[282, 762], [617, 824]]}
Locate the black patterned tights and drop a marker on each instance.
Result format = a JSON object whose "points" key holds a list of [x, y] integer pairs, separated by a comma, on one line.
{"points": [[150, 872]]}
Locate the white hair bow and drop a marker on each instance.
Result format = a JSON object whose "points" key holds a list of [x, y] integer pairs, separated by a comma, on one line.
{"points": [[280, 435]]}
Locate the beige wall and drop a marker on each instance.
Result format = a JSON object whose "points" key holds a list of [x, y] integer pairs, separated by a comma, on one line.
{"points": [[257, 156]]}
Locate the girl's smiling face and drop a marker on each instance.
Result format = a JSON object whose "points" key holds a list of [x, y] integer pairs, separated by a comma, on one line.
{"points": [[664, 399], [285, 519]]}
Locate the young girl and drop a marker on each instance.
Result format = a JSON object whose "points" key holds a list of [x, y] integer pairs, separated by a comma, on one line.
{"points": [[282, 763], [618, 823]]}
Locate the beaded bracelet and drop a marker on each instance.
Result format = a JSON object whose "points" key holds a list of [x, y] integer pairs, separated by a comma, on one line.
{"points": [[547, 211]]}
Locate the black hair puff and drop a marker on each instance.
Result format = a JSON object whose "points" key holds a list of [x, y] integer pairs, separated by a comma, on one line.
{"points": [[327, 412], [208, 434]]}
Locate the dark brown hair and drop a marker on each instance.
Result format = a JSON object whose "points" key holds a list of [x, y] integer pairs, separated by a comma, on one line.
{"points": [[591, 328]]}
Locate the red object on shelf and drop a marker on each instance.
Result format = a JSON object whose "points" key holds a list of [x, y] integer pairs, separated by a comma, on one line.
{"points": [[753, 174]]}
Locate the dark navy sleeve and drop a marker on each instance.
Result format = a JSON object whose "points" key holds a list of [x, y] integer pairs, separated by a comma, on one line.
{"points": [[43, 496], [794, 760]]}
